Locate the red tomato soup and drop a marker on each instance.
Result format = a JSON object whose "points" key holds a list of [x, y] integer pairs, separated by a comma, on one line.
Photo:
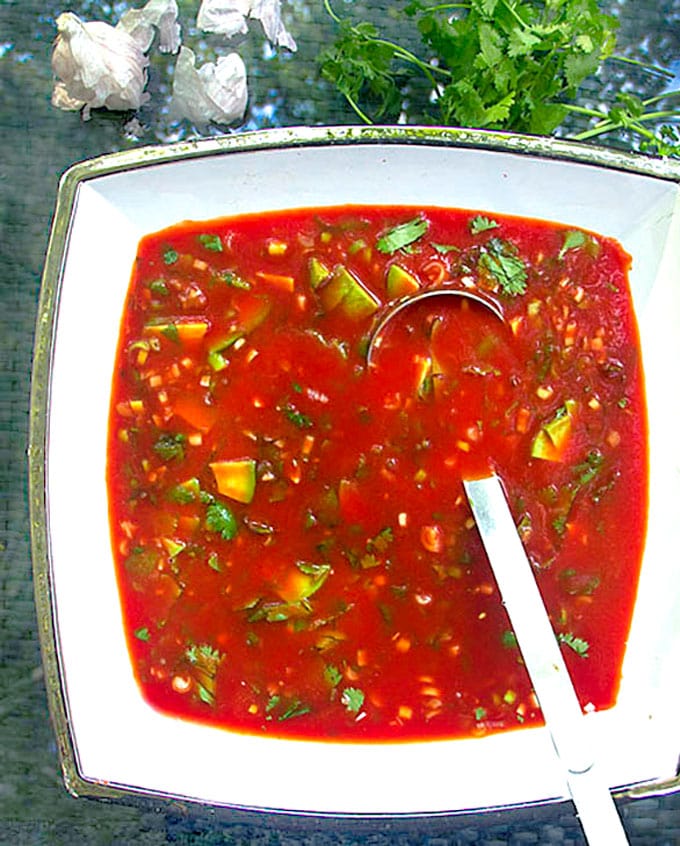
{"points": [[295, 553]]}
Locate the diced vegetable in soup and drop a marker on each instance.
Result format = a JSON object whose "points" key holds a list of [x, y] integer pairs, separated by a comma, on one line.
{"points": [[295, 553]]}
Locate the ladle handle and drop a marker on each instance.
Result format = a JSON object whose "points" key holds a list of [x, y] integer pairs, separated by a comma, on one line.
{"points": [[544, 661]]}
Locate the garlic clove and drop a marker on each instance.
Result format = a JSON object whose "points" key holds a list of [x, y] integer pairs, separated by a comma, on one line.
{"points": [[98, 65], [215, 92]]}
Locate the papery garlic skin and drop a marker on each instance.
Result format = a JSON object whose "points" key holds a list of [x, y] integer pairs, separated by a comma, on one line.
{"points": [[98, 64], [141, 25], [63, 100], [224, 17], [229, 18], [268, 12], [215, 92]]}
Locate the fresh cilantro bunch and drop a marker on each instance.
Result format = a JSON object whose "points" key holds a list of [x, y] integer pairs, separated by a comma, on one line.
{"points": [[514, 65], [511, 63]]}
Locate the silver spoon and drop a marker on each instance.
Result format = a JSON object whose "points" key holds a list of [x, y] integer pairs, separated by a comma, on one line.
{"points": [[544, 661], [395, 307], [536, 638]]}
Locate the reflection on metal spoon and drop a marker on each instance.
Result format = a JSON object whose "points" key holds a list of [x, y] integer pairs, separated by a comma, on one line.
{"points": [[397, 306]]}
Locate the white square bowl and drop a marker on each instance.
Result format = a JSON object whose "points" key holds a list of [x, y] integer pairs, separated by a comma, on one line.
{"points": [[112, 743]]}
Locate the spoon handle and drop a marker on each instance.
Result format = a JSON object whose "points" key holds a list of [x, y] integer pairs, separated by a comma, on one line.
{"points": [[544, 661]]}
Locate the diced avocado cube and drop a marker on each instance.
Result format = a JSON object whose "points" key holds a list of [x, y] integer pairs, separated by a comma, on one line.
{"points": [[400, 282], [317, 272], [172, 547], [344, 291], [235, 478], [216, 357], [553, 437]]}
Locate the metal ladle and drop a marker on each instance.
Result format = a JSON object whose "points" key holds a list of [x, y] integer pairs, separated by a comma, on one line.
{"points": [[535, 636], [395, 307]]}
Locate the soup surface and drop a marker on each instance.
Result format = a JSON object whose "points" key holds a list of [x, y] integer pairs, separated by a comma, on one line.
{"points": [[294, 549]]}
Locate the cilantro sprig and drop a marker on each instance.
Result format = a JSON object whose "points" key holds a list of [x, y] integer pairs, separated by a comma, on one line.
{"points": [[496, 64]]}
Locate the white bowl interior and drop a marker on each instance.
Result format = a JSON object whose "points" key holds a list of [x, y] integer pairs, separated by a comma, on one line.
{"points": [[121, 740]]}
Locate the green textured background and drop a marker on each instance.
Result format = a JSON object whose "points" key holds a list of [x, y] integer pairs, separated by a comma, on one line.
{"points": [[37, 144]]}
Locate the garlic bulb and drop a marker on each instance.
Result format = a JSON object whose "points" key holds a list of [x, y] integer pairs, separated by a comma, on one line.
{"points": [[214, 92], [229, 18], [97, 65]]}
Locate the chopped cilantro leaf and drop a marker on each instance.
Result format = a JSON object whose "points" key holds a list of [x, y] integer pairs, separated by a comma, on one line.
{"points": [[352, 698], [403, 235], [295, 709], [560, 524], [573, 239], [159, 288], [143, 634], [480, 713], [302, 421], [203, 655], [219, 518], [332, 675], [170, 446], [214, 562], [479, 223], [381, 541], [590, 467], [211, 242], [499, 258], [234, 280], [446, 248], [579, 645]]}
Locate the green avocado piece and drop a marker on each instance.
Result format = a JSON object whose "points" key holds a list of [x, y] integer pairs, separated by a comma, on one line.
{"points": [[552, 438], [344, 291], [400, 282], [318, 272]]}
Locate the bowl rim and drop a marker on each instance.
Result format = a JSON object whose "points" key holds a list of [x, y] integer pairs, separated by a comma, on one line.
{"points": [[45, 332]]}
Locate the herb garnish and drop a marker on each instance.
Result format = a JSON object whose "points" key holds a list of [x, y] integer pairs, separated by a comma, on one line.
{"points": [[302, 421], [211, 242], [352, 698], [234, 280], [332, 675], [292, 708], [479, 223], [403, 235], [499, 258], [579, 645], [159, 288], [573, 239], [219, 518], [170, 446]]}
